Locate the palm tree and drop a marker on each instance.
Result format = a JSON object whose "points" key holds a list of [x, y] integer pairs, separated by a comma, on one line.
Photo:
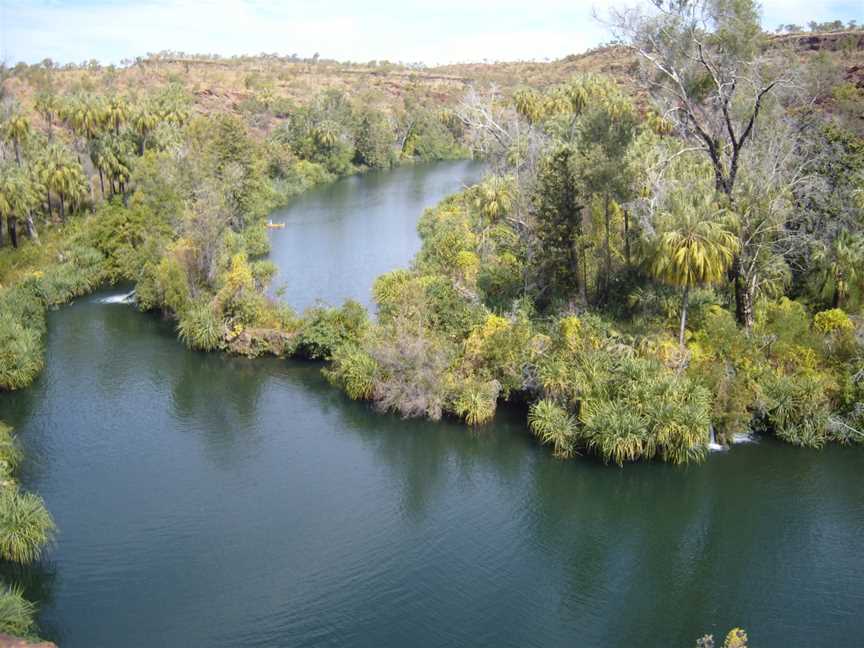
{"points": [[17, 199], [529, 104], [117, 111], [86, 116], [495, 197], [840, 268], [99, 155], [15, 130], [48, 105], [143, 121], [696, 246], [59, 172], [112, 156]]}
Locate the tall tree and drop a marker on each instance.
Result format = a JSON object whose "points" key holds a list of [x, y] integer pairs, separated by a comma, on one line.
{"points": [[695, 246], [59, 172], [17, 199], [48, 105], [606, 131], [557, 207], [839, 268], [117, 112], [706, 70], [16, 129]]}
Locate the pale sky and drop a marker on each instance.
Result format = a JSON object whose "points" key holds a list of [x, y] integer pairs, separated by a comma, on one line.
{"points": [[440, 31]]}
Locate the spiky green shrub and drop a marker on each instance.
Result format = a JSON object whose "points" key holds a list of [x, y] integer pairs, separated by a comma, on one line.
{"points": [[10, 453], [17, 614], [200, 328], [476, 400], [617, 433], [831, 321], [26, 526], [797, 409], [554, 426], [354, 371], [20, 353], [638, 410]]}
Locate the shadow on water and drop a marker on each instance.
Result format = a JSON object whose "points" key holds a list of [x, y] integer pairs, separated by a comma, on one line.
{"points": [[232, 501]]}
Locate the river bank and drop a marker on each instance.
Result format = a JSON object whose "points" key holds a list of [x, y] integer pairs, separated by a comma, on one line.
{"points": [[307, 517]]}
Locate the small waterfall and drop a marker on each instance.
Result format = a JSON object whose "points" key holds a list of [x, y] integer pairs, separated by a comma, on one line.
{"points": [[743, 437], [713, 446], [124, 298]]}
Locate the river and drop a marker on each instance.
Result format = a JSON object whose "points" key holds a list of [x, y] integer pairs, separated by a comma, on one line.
{"points": [[205, 500]]}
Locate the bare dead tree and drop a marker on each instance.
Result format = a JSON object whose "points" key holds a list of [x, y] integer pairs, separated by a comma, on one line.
{"points": [[497, 133], [706, 70]]}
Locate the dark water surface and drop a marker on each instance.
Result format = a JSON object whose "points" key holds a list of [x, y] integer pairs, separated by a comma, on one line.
{"points": [[211, 501]]}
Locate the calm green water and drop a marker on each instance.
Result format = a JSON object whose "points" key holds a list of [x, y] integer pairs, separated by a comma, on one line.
{"points": [[339, 237], [213, 501]]}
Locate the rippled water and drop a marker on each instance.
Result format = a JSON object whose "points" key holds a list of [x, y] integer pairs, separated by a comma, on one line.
{"points": [[204, 500]]}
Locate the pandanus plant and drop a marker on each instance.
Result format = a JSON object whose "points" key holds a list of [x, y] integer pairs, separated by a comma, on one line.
{"points": [[26, 526]]}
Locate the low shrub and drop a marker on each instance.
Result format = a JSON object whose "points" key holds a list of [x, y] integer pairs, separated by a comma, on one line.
{"points": [[326, 329], [17, 614], [201, 328], [354, 371], [26, 526]]}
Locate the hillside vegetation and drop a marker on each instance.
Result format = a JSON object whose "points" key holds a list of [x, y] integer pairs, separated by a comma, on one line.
{"points": [[668, 249]]}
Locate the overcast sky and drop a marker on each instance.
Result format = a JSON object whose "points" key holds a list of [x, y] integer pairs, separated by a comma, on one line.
{"points": [[358, 30]]}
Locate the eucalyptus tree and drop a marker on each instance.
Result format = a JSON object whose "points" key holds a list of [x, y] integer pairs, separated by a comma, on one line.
{"points": [[695, 246], [706, 70], [498, 132]]}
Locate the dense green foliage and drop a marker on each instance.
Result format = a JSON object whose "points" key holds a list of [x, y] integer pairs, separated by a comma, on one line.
{"points": [[17, 614], [551, 281], [26, 527], [642, 283]]}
